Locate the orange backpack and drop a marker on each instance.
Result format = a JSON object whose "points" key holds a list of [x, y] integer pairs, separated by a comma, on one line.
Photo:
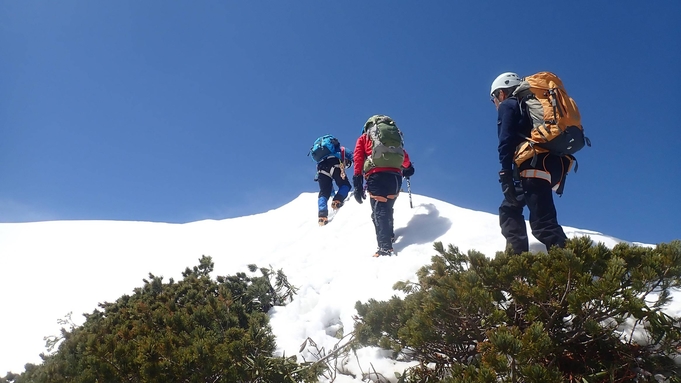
{"points": [[557, 126]]}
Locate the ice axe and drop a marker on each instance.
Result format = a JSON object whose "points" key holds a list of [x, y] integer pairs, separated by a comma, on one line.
{"points": [[411, 205]]}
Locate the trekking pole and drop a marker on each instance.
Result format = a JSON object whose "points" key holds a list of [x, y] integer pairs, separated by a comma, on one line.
{"points": [[411, 205]]}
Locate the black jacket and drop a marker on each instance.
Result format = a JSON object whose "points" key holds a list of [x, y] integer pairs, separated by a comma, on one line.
{"points": [[512, 126], [511, 123]]}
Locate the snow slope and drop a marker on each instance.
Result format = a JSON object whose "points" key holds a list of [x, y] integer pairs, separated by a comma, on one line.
{"points": [[52, 268]]}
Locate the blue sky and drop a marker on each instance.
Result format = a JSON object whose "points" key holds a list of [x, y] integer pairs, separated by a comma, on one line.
{"points": [[188, 110]]}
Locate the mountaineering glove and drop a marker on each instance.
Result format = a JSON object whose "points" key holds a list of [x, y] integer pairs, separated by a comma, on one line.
{"points": [[508, 187], [358, 184], [408, 172]]}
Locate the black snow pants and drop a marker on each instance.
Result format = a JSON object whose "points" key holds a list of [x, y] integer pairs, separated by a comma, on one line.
{"points": [[383, 188], [537, 195], [329, 171]]}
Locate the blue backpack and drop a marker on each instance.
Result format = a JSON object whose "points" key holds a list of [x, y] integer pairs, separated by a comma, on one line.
{"points": [[324, 147]]}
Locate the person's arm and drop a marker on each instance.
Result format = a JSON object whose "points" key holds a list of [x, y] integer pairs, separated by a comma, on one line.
{"points": [[358, 155], [347, 157], [507, 129]]}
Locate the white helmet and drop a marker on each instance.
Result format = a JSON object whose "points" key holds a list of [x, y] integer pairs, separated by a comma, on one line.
{"points": [[505, 80]]}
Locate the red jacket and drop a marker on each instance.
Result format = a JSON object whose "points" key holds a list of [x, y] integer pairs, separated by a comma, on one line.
{"points": [[363, 150]]}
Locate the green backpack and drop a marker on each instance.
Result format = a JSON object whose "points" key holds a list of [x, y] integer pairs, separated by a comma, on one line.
{"points": [[387, 143]]}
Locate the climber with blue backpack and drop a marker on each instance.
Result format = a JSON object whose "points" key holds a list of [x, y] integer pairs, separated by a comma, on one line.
{"points": [[332, 159]]}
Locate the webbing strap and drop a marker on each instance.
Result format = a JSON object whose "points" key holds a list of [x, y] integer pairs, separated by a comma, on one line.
{"points": [[328, 174], [333, 169], [381, 198], [535, 173]]}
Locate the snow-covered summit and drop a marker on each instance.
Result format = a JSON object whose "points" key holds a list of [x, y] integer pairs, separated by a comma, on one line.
{"points": [[53, 268]]}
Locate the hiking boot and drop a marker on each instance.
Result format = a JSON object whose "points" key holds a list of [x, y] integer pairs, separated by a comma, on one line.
{"points": [[323, 221], [336, 204], [382, 252]]}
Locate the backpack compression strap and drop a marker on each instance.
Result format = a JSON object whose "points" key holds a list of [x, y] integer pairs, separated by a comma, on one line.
{"points": [[333, 170]]}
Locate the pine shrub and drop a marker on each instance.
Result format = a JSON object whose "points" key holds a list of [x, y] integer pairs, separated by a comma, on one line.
{"points": [[194, 330], [585, 313]]}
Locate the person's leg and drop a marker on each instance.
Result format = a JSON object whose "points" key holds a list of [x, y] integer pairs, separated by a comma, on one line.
{"points": [[343, 189], [543, 215], [325, 187], [383, 189], [391, 224], [374, 204], [512, 223], [392, 210]]}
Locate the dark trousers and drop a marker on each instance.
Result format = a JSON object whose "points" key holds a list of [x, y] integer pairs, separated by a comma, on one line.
{"points": [[538, 197], [383, 188], [326, 186]]}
